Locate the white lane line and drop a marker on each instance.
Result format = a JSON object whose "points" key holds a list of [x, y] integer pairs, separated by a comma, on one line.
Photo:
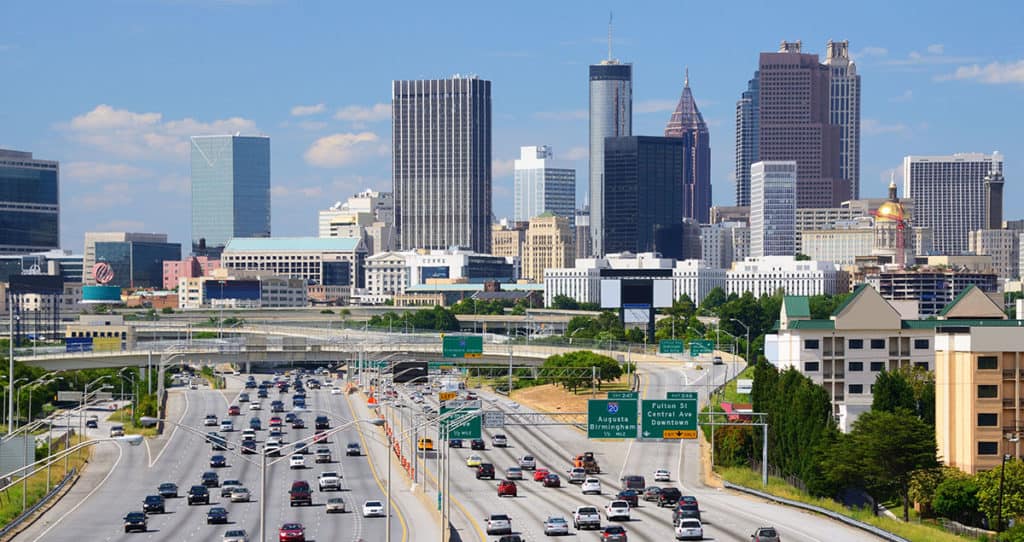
{"points": [[120, 452], [173, 432]]}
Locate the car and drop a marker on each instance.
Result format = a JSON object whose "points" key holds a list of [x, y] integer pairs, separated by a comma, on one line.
{"points": [[485, 470], [235, 535], [577, 475], [662, 475], [685, 510], [277, 405], [717, 360], [243, 397], [689, 529], [335, 504], [274, 441], [255, 424], [329, 481], [262, 394], [116, 431], [527, 462], [320, 436], [552, 480], [275, 421], [92, 422], [651, 493], [556, 526], [617, 510], [210, 420], [297, 462], [507, 488], [218, 461], [613, 533], [690, 499], [474, 461], [227, 426], [499, 441], [477, 444], [297, 423], [586, 517], [499, 524], [234, 410], [323, 455], [765, 534], [511, 538], [300, 494], [631, 496], [321, 422], [669, 496], [211, 479], [240, 494], [540, 474], [302, 448], [471, 396], [455, 443], [153, 504], [591, 486], [255, 406], [425, 444], [335, 390], [514, 473], [168, 490], [291, 532], [217, 514], [633, 481], [198, 495], [135, 521], [193, 385], [289, 417], [373, 509], [217, 442], [249, 446], [352, 448]]}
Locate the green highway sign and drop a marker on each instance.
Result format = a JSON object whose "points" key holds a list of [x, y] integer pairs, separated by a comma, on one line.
{"points": [[670, 346], [462, 346], [611, 418], [468, 430], [684, 395], [668, 418], [440, 365], [623, 395], [701, 346]]}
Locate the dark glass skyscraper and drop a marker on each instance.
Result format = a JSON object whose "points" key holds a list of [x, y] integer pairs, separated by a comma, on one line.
{"points": [[644, 185], [748, 111], [441, 163], [611, 115], [29, 203], [688, 124], [137, 264]]}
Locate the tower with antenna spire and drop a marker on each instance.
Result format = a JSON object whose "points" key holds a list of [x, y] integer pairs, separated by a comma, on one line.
{"points": [[688, 124]]}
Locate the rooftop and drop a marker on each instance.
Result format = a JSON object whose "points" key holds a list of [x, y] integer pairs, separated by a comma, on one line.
{"points": [[291, 244]]}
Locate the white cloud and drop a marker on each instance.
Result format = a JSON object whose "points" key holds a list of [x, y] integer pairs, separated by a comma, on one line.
{"points": [[905, 97], [576, 114], [995, 73], [111, 195], [144, 135], [877, 127], [871, 51], [120, 225], [576, 153], [175, 184], [502, 168], [312, 125], [655, 106], [88, 172], [358, 113], [306, 110], [337, 150], [936, 48], [306, 191]]}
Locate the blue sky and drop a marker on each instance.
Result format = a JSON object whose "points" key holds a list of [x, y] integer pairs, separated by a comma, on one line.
{"points": [[113, 89]]}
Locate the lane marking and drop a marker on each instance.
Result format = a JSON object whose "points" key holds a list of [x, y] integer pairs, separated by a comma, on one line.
{"points": [[171, 436], [120, 452], [629, 448]]}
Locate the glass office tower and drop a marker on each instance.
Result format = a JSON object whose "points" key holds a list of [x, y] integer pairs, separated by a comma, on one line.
{"points": [[29, 203], [611, 115], [230, 190]]}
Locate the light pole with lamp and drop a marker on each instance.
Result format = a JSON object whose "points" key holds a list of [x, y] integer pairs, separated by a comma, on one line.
{"points": [[131, 378], [1012, 438], [11, 420], [10, 364], [747, 330], [85, 397]]}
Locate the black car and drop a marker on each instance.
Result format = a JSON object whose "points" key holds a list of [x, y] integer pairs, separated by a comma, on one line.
{"points": [[485, 470], [302, 448], [455, 443], [210, 479], [218, 461], [353, 449], [216, 514], [153, 504], [631, 496], [669, 496], [168, 490], [135, 521], [322, 422], [289, 417], [685, 509], [198, 495], [248, 446], [93, 422], [262, 394], [477, 444], [297, 423]]}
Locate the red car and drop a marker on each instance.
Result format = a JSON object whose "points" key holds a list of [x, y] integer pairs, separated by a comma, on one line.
{"points": [[292, 532], [275, 421], [233, 410], [507, 488], [320, 436], [540, 474], [552, 480]]}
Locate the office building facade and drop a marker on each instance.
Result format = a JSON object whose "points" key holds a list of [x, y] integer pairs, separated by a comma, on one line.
{"points": [[441, 162], [89, 258], [583, 241], [773, 195], [949, 194], [844, 110], [931, 288], [369, 215], [748, 112], [723, 243], [768, 275], [136, 264], [1004, 248], [611, 115], [29, 203], [230, 190], [688, 124], [548, 244], [327, 261], [541, 188]]}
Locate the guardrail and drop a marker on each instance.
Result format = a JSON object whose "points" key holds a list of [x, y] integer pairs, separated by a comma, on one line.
{"points": [[881, 533], [16, 522]]}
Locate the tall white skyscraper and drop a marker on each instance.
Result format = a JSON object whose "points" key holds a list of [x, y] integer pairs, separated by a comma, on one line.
{"points": [[773, 208], [949, 196], [844, 110], [611, 115], [541, 188]]}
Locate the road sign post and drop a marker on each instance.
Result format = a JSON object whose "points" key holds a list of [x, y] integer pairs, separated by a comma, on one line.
{"points": [[612, 418], [468, 430], [669, 418]]}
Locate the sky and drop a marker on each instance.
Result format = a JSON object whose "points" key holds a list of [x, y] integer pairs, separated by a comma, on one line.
{"points": [[113, 89]]}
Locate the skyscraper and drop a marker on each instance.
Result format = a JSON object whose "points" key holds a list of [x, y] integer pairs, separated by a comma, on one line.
{"points": [[844, 110], [644, 188], [230, 190], [441, 162], [748, 117], [949, 195], [540, 188], [994, 200], [611, 115], [29, 203], [794, 124], [773, 193], [688, 124]]}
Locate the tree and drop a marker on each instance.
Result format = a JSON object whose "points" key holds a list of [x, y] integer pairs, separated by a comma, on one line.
{"points": [[892, 391], [715, 298], [956, 498], [1013, 492], [564, 302]]}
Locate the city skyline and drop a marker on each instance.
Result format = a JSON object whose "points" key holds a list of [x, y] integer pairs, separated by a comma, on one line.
{"points": [[122, 141]]}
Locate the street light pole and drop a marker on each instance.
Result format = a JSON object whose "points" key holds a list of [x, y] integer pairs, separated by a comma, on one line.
{"points": [[10, 364], [1012, 438]]}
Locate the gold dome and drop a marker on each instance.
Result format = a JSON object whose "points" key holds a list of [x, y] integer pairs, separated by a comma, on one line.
{"points": [[890, 210]]}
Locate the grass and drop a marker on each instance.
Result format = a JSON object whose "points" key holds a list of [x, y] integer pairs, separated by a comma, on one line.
{"points": [[124, 417], [10, 500], [915, 532]]}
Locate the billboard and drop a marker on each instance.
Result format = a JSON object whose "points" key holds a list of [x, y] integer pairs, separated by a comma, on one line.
{"points": [[636, 293], [611, 293], [101, 294], [231, 289], [36, 284], [439, 272], [410, 371]]}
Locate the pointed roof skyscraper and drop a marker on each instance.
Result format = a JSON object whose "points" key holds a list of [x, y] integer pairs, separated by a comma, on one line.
{"points": [[686, 117], [688, 124]]}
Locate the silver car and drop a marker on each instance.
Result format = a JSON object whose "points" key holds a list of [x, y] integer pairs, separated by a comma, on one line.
{"points": [[235, 535], [556, 525], [240, 494], [335, 504]]}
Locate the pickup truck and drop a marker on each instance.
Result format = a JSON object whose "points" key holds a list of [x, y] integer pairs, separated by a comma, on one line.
{"points": [[586, 517], [329, 481]]}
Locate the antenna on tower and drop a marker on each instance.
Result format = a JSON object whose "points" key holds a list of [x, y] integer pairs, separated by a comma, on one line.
{"points": [[609, 36], [686, 79]]}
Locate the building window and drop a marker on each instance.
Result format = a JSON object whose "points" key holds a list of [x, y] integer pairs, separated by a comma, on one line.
{"points": [[988, 362], [988, 447], [811, 344], [856, 366], [921, 365], [856, 344], [856, 389], [988, 420], [921, 344], [811, 366], [877, 344], [986, 391], [877, 366]]}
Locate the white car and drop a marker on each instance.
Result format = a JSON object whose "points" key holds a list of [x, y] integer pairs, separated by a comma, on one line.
{"points": [[335, 504], [662, 475], [255, 406], [227, 426], [297, 461], [240, 494], [329, 481], [335, 391], [513, 473], [373, 509], [210, 420], [617, 510], [235, 535], [273, 441], [591, 485], [527, 462], [689, 529]]}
